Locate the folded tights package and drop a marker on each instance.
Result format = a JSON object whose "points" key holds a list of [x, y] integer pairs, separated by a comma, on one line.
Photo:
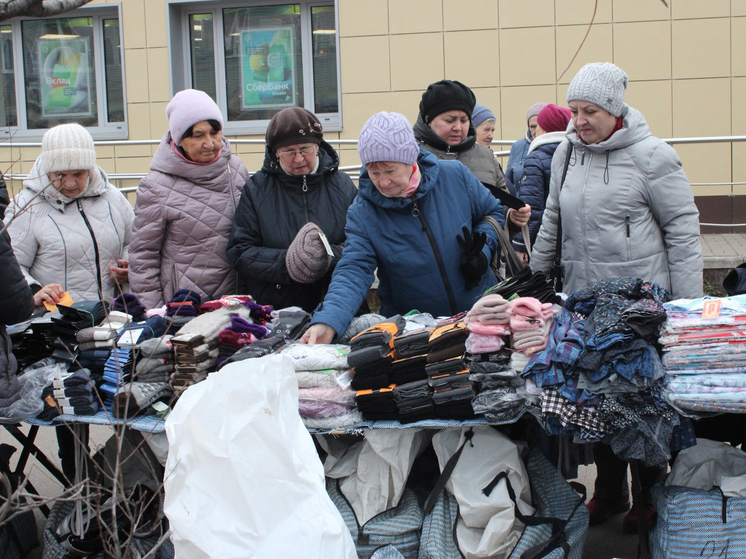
{"points": [[244, 419], [317, 357], [377, 404], [447, 341], [136, 398], [411, 344]]}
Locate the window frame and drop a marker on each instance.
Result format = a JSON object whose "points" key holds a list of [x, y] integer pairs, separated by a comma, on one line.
{"points": [[179, 12], [105, 130]]}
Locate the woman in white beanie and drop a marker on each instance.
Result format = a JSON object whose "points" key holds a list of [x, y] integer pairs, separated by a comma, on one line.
{"points": [[185, 207], [626, 209], [69, 227], [419, 221]]}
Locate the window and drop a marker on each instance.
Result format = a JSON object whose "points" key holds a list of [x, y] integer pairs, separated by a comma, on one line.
{"points": [[66, 69], [256, 59]]}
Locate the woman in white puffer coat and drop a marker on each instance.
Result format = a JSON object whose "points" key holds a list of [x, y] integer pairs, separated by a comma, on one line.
{"points": [[69, 227]]}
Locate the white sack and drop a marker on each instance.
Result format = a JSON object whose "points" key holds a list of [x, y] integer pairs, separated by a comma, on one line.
{"points": [[486, 526], [243, 478], [709, 464]]}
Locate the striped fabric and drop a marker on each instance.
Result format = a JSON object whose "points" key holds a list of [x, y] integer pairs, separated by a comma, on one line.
{"points": [[697, 523]]}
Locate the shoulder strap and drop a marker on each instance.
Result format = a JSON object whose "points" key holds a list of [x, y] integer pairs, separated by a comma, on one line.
{"points": [[505, 248], [558, 240], [447, 471]]}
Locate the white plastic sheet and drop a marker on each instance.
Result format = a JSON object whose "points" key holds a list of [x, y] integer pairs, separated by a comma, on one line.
{"points": [[243, 478], [486, 526], [709, 464]]}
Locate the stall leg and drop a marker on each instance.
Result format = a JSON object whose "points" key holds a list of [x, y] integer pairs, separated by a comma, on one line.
{"points": [[638, 502]]}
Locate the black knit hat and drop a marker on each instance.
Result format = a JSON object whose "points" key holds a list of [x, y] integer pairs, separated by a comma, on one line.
{"points": [[446, 95], [293, 125]]}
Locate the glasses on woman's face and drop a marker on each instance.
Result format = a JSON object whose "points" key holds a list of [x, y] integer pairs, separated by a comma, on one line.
{"points": [[291, 154]]}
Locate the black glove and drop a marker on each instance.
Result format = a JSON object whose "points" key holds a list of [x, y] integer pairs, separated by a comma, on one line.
{"points": [[473, 262]]}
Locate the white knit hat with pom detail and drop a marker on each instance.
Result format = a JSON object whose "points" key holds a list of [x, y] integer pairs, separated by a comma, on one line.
{"points": [[67, 147]]}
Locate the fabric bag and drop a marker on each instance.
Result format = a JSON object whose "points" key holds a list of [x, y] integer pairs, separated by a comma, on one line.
{"points": [[557, 530], [398, 527], [243, 478]]}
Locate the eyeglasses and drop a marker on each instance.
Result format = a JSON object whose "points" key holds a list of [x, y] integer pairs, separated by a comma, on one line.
{"points": [[308, 150]]}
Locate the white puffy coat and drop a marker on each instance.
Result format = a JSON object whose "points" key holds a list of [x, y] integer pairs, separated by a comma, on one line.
{"points": [[57, 239]]}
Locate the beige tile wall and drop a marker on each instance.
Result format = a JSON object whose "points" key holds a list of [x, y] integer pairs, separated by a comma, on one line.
{"points": [[685, 63]]}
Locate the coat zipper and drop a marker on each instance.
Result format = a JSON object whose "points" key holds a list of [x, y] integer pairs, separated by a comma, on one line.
{"points": [[629, 246], [95, 251], [418, 214], [305, 200], [582, 209]]}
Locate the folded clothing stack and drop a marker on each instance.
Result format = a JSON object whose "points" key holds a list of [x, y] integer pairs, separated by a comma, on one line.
{"points": [[287, 326], [530, 321], [239, 334], [447, 341], [181, 309], [372, 353], [377, 403], [69, 393], [414, 401], [452, 388], [95, 344], [117, 371], [137, 398], [72, 319], [194, 359], [154, 360], [495, 383], [128, 303]]}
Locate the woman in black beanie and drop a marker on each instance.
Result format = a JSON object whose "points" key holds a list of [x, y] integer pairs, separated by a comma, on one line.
{"points": [[444, 128]]}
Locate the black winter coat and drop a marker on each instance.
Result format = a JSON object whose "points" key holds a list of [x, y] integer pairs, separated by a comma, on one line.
{"points": [[537, 171], [273, 207], [16, 305]]}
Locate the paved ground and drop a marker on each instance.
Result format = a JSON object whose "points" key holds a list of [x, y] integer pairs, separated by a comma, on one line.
{"points": [[723, 250]]}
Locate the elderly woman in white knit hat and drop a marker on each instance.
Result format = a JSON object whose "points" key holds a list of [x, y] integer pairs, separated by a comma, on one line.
{"points": [[69, 227], [185, 207], [419, 220], [626, 209]]}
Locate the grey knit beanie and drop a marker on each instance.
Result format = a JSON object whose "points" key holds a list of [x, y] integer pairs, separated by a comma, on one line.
{"points": [[600, 83], [67, 147], [387, 137], [306, 258]]}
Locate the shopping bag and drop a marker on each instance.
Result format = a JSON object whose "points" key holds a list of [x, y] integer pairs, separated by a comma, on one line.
{"points": [[243, 478]]}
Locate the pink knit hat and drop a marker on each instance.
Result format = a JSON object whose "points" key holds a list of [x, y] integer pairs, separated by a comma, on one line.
{"points": [[553, 118], [187, 108], [534, 110]]}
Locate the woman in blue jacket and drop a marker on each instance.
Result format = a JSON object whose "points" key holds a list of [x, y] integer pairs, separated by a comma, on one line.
{"points": [[419, 221]]}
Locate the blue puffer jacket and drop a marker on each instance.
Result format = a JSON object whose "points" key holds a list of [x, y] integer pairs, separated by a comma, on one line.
{"points": [[537, 170], [385, 233], [516, 159]]}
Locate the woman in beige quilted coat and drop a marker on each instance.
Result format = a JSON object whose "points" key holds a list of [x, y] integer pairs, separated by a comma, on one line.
{"points": [[185, 207]]}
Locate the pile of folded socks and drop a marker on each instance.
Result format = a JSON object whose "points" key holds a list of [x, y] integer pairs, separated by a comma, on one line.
{"points": [[195, 359], [154, 360], [137, 398], [72, 319], [95, 343], [530, 322], [325, 400], [239, 334], [448, 373], [70, 393], [413, 394], [182, 308], [128, 303], [287, 326]]}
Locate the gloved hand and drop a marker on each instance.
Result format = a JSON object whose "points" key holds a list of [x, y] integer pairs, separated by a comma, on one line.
{"points": [[473, 262]]}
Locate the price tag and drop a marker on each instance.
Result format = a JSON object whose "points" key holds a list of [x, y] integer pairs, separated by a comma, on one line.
{"points": [[129, 338], [324, 241], [711, 308]]}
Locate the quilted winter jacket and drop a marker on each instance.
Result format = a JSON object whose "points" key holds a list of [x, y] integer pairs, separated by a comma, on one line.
{"points": [[386, 233], [16, 305], [273, 208], [518, 153], [537, 170], [479, 159], [627, 210], [56, 239], [183, 218]]}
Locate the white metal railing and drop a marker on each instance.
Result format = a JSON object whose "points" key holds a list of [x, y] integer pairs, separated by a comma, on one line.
{"points": [[353, 170]]}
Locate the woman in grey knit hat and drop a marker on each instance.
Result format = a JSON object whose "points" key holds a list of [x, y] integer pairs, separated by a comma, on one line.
{"points": [[627, 209]]}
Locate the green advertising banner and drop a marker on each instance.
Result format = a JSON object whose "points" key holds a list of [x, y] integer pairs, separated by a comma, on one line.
{"points": [[267, 70], [65, 77]]}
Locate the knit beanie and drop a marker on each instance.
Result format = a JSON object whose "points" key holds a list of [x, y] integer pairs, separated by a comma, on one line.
{"points": [[187, 108], [553, 118], [480, 114], [293, 125], [600, 83], [534, 110], [446, 95], [387, 137], [306, 258], [67, 147]]}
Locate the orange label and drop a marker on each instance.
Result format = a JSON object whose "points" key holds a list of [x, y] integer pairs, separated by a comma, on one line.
{"points": [[65, 301], [711, 308]]}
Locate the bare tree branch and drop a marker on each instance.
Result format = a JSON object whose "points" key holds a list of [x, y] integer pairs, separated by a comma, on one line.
{"points": [[37, 8]]}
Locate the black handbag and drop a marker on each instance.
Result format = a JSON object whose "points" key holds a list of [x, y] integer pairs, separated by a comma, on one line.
{"points": [[556, 275]]}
